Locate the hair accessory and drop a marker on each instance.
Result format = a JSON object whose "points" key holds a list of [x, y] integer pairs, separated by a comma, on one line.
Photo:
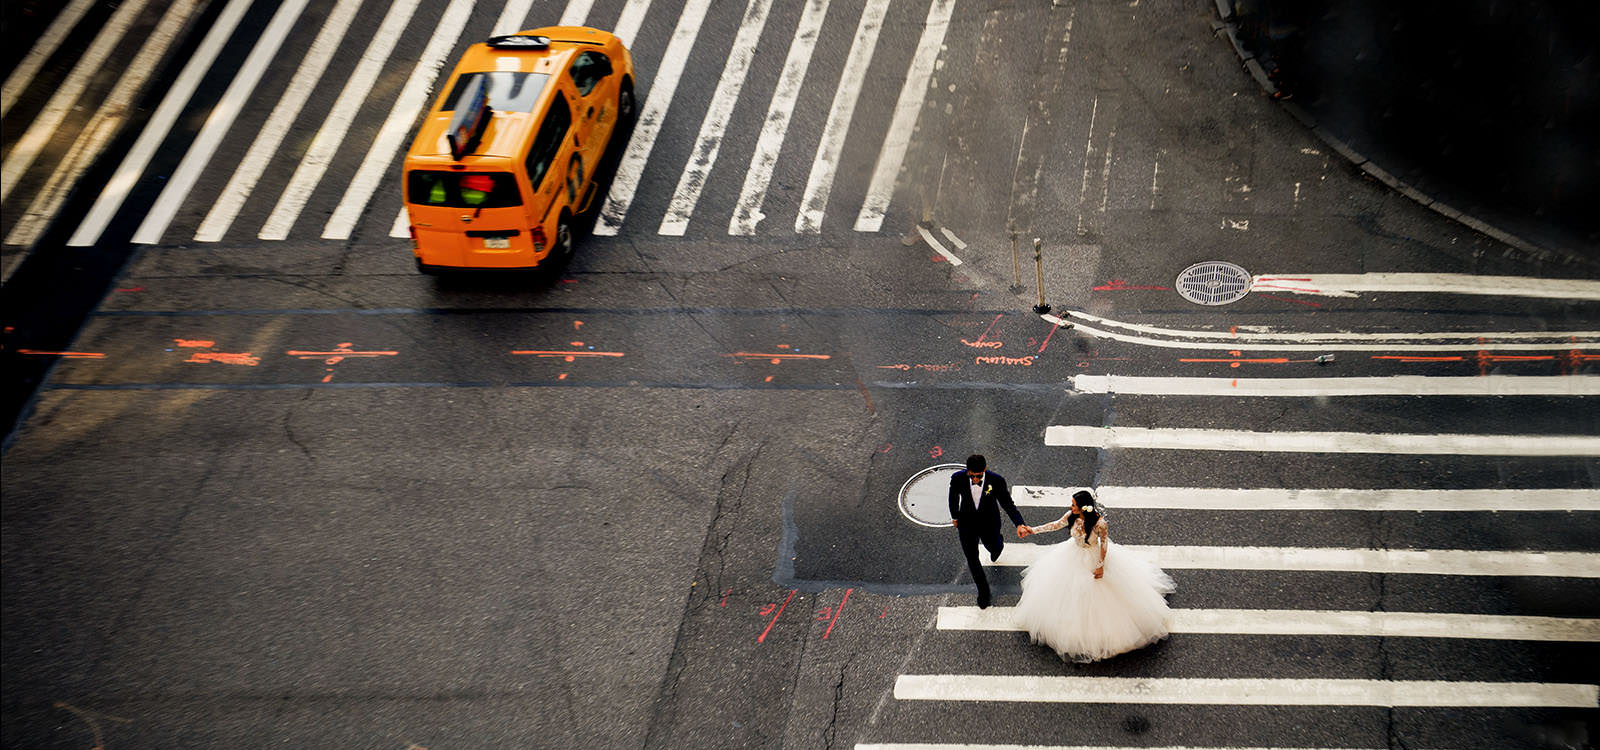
{"points": [[1086, 508]]}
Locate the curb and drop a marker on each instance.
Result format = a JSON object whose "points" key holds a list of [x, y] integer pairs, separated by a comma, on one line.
{"points": [[1227, 27]]}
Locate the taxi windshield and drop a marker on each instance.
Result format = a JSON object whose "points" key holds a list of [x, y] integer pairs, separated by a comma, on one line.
{"points": [[462, 189], [509, 91]]}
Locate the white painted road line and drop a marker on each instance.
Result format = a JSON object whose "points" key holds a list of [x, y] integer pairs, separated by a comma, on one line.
{"points": [[330, 137], [627, 23], [1320, 442], [1258, 340], [102, 127], [1397, 385], [1243, 692], [22, 76], [662, 88], [221, 119], [986, 746], [898, 140], [715, 123], [576, 13], [826, 163], [1445, 562], [1348, 284], [47, 124], [158, 127], [515, 14], [392, 136], [401, 228], [1327, 622], [1261, 499], [938, 248], [271, 135], [747, 213]]}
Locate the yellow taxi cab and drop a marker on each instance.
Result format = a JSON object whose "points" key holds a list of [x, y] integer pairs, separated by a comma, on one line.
{"points": [[506, 157]]}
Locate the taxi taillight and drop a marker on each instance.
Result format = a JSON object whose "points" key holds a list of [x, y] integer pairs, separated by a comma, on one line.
{"points": [[538, 239]]}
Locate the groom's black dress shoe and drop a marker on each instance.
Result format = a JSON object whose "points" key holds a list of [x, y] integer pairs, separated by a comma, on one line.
{"points": [[983, 602]]}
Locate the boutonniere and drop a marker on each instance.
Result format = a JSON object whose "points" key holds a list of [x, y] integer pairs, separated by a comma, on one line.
{"points": [[987, 490]]}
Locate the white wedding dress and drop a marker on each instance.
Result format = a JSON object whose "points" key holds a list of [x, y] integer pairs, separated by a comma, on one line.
{"points": [[1083, 618]]}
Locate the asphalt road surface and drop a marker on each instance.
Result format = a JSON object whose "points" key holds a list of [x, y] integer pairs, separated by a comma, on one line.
{"points": [[287, 492]]}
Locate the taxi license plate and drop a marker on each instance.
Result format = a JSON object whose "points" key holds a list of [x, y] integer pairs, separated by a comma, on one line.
{"points": [[497, 243]]}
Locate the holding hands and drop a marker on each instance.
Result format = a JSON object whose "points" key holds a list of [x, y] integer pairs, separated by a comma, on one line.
{"points": [[1024, 531]]}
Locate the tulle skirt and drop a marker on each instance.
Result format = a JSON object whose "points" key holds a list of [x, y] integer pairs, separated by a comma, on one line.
{"points": [[1064, 607]]}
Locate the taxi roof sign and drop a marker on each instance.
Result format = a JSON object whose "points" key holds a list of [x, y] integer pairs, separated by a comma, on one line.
{"points": [[471, 118], [519, 41]]}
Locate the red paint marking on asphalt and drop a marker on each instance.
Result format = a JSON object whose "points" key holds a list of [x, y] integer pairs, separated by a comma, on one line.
{"points": [[194, 343], [763, 636], [67, 355], [725, 594], [836, 612], [1410, 358], [1118, 285], [992, 324], [1047, 336]]}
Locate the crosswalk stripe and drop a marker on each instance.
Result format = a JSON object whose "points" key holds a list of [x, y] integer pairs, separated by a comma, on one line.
{"points": [[22, 76], [898, 140], [47, 124], [1348, 284], [325, 146], [1243, 692], [715, 124], [222, 116], [1326, 622], [402, 116], [987, 746], [1320, 442], [1395, 385], [243, 182], [102, 127], [155, 131], [400, 229], [1451, 562], [1269, 498], [629, 21], [515, 13], [1288, 341], [577, 11], [662, 88], [747, 212], [826, 163]]}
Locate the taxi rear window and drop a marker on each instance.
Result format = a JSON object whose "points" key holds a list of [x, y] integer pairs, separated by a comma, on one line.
{"points": [[509, 91], [426, 187]]}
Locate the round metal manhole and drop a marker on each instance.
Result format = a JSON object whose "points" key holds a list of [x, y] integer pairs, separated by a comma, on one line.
{"points": [[925, 497], [1214, 282]]}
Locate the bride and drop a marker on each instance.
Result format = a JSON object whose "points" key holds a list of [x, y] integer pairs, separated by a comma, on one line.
{"points": [[1088, 598]]}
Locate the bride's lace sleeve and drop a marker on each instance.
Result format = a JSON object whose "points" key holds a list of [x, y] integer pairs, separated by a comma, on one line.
{"points": [[1056, 525]]}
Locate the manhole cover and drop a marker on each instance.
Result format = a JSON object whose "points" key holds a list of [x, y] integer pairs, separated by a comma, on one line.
{"points": [[925, 497], [1214, 282]]}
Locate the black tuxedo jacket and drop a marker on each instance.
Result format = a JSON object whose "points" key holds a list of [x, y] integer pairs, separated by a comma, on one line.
{"points": [[995, 496]]}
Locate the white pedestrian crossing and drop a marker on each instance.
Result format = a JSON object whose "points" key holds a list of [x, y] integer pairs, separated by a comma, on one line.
{"points": [[826, 163], [22, 76], [1337, 499], [1242, 692], [1327, 622], [1447, 562], [1320, 442]]}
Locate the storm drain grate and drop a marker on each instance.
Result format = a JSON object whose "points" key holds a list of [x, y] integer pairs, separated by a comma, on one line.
{"points": [[1214, 282]]}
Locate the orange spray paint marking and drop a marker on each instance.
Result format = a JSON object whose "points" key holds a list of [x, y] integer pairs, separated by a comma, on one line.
{"points": [[886, 447], [63, 355], [1047, 338], [1118, 285], [338, 354], [768, 379], [1236, 361], [836, 612], [576, 324], [785, 605], [194, 343], [1411, 358], [245, 359], [562, 376], [775, 358], [567, 356], [936, 452], [1010, 361], [132, 289]]}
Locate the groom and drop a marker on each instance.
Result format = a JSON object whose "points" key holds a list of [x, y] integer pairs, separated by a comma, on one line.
{"points": [[976, 497]]}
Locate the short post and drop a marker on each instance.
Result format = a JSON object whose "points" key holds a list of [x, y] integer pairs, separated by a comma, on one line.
{"points": [[1038, 275]]}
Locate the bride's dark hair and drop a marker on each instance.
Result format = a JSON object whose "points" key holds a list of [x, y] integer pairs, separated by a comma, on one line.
{"points": [[1091, 512]]}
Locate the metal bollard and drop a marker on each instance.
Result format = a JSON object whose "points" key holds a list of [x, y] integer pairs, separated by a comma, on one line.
{"points": [[1016, 273], [1038, 275]]}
